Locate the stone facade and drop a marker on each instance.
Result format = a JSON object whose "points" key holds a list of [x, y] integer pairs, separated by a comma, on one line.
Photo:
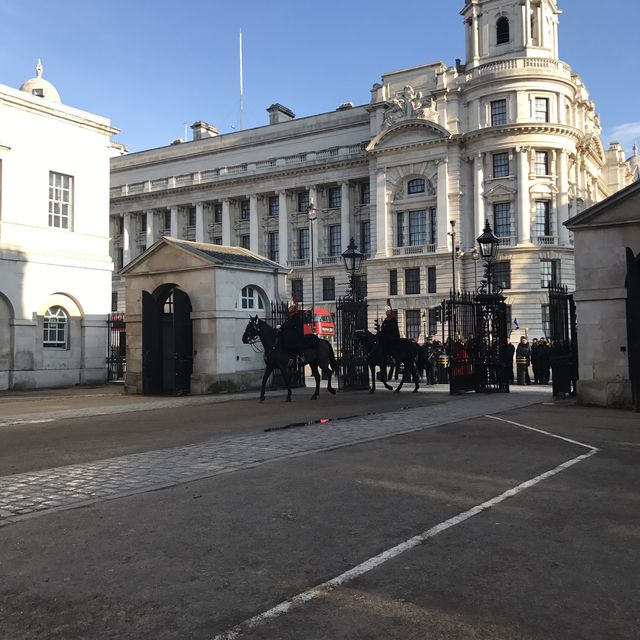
{"points": [[510, 135], [602, 234], [55, 267]]}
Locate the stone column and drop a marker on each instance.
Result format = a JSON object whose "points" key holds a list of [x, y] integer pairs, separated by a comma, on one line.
{"points": [[128, 238], [475, 36], [152, 224], [443, 204], [345, 217], [253, 224], [563, 197], [524, 200], [382, 226], [313, 197], [478, 193], [226, 222], [200, 222], [283, 228], [174, 222], [526, 23]]}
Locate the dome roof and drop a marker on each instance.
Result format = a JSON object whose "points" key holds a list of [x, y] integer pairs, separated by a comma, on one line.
{"points": [[40, 87]]}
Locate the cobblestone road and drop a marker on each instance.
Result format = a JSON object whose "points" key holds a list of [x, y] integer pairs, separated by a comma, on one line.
{"points": [[32, 494]]}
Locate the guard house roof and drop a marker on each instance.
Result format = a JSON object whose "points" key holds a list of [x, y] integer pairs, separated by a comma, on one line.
{"points": [[619, 208], [214, 254]]}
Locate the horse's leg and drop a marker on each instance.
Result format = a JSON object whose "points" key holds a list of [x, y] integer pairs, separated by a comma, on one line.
{"points": [[316, 377], [385, 382], [326, 369], [416, 377], [372, 370], [285, 374], [404, 376], [265, 377]]}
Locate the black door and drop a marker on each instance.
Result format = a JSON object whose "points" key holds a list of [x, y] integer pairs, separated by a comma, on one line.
{"points": [[151, 345], [182, 342], [633, 324]]}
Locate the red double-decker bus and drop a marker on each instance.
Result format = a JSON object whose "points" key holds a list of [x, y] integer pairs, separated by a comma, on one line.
{"points": [[323, 321]]}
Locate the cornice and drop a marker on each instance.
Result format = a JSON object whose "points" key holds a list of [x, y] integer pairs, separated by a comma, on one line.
{"points": [[525, 129]]}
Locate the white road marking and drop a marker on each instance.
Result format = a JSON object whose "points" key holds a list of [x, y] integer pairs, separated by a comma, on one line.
{"points": [[389, 554], [546, 433]]}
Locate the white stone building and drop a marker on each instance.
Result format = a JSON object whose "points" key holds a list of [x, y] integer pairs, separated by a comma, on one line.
{"points": [[510, 135], [55, 267]]}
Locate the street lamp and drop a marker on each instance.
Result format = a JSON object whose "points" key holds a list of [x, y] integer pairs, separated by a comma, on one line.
{"points": [[489, 245], [453, 254], [312, 213], [353, 259]]}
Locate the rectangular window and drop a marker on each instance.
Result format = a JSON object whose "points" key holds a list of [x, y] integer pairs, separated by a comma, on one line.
{"points": [[120, 225], [114, 301], [393, 282], [274, 246], [502, 274], [245, 209], [500, 165], [411, 281], [217, 212], [498, 112], [119, 258], [365, 193], [400, 239], [303, 202], [416, 186], [546, 319], [60, 200], [335, 240], [543, 218], [245, 241], [328, 288], [335, 198], [167, 220], [55, 328], [303, 244], [296, 291], [432, 237], [142, 223], [274, 206], [549, 273], [191, 217], [412, 323], [542, 163], [365, 237], [502, 219], [431, 280], [417, 228], [360, 284], [542, 110]]}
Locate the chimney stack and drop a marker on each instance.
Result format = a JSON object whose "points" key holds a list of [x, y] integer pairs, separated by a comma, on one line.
{"points": [[279, 113], [202, 130]]}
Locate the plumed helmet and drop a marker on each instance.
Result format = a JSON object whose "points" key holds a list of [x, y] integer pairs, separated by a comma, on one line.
{"points": [[387, 309]]}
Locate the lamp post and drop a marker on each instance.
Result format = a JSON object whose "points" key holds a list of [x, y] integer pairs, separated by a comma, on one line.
{"points": [[312, 213], [452, 234], [489, 245], [353, 259], [475, 257]]}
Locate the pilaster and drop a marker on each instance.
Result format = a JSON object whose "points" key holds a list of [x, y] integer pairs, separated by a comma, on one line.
{"points": [[253, 223], [382, 226], [563, 197], [442, 210], [283, 228], [174, 222], [345, 214], [478, 193], [524, 200], [127, 239], [226, 222], [199, 221], [314, 227], [152, 227]]}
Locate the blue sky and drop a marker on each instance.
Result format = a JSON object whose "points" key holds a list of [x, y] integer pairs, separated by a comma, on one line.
{"points": [[154, 65]]}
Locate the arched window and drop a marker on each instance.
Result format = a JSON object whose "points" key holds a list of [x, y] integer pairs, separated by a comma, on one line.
{"points": [[251, 299], [502, 31], [56, 328], [415, 186]]}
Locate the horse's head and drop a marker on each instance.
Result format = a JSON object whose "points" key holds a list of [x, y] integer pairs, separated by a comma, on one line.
{"points": [[252, 331]]}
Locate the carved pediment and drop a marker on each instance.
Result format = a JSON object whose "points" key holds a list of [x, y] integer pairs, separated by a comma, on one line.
{"points": [[500, 190], [408, 133]]}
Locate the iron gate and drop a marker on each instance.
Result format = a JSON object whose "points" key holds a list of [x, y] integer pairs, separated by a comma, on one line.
{"points": [[477, 342], [564, 341], [116, 347], [279, 313], [633, 324], [351, 314]]}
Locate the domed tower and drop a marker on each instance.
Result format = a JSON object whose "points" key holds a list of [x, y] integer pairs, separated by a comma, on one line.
{"points": [[40, 87], [496, 29]]}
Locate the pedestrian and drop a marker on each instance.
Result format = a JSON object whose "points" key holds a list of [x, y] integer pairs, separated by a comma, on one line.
{"points": [[507, 359], [544, 360], [523, 360], [534, 361]]}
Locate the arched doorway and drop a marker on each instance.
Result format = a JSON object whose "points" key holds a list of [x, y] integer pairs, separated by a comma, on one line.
{"points": [[6, 343], [167, 341]]}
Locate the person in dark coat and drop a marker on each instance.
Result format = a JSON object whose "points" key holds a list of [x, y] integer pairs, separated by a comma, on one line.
{"points": [[508, 351], [389, 332], [534, 361], [544, 360], [523, 360], [292, 330]]}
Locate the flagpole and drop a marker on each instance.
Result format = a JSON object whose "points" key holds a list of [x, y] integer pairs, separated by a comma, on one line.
{"points": [[241, 87]]}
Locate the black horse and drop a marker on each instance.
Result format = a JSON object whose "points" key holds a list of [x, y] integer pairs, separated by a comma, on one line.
{"points": [[318, 354], [404, 352]]}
